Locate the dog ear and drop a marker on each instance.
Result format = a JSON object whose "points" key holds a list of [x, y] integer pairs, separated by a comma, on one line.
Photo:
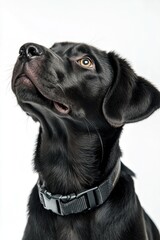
{"points": [[130, 98]]}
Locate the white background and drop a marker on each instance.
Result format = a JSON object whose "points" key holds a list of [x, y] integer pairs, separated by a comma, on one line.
{"points": [[131, 28]]}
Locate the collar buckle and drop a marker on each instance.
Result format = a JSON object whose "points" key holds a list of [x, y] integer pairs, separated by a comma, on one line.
{"points": [[48, 201], [60, 204], [77, 203]]}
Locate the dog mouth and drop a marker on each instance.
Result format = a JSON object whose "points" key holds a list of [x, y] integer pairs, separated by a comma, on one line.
{"points": [[59, 106]]}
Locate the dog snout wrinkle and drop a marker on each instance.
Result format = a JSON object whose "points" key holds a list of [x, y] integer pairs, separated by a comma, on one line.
{"points": [[30, 51]]}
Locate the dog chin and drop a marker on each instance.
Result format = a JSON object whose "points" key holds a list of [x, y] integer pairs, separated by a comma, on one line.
{"points": [[27, 92], [36, 104]]}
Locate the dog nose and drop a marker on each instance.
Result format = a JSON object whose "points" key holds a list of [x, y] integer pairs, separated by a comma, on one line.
{"points": [[30, 51]]}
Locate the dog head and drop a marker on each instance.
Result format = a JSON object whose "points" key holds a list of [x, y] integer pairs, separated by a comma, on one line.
{"points": [[74, 81]]}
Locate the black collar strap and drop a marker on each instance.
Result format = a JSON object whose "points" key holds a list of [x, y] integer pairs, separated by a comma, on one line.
{"points": [[76, 203]]}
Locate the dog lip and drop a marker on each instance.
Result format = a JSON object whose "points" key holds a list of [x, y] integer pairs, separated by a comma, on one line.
{"points": [[22, 79], [61, 107]]}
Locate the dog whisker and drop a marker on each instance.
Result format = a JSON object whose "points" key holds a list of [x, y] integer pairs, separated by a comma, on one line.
{"points": [[86, 124], [99, 136], [61, 88]]}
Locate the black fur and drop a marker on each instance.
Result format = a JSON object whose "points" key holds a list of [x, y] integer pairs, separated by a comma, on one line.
{"points": [[78, 142]]}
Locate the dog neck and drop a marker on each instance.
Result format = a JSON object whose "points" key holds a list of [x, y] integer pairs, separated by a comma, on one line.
{"points": [[83, 201], [69, 159]]}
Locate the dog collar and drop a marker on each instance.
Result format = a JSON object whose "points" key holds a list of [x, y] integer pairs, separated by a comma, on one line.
{"points": [[83, 201]]}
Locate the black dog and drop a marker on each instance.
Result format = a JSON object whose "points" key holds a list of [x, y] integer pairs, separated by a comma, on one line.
{"points": [[82, 97]]}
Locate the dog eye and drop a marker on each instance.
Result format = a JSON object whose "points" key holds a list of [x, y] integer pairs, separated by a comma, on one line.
{"points": [[86, 62]]}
